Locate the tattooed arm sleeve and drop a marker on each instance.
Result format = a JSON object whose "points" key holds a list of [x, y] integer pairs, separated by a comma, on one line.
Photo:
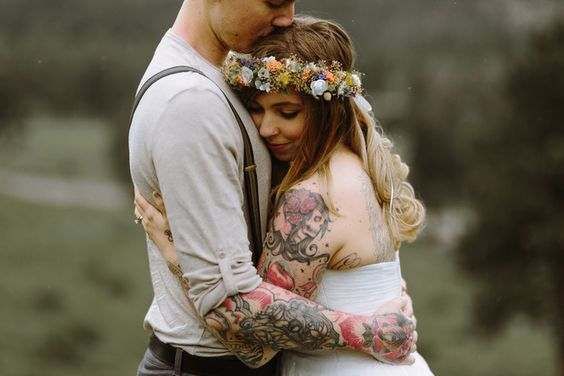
{"points": [[255, 325]]}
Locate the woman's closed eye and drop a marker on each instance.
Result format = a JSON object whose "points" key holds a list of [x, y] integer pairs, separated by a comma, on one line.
{"points": [[289, 114]]}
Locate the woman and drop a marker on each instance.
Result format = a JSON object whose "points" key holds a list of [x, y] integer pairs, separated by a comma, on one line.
{"points": [[344, 206]]}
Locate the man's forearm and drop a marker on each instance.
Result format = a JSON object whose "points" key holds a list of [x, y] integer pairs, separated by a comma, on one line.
{"points": [[257, 324]]}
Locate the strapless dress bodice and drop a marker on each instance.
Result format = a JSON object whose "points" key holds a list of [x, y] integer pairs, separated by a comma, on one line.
{"points": [[361, 291]]}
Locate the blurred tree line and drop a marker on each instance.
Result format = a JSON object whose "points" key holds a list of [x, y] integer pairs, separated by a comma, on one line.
{"points": [[515, 183], [473, 101]]}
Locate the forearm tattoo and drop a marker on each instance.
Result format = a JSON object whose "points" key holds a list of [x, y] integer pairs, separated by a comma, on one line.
{"points": [[271, 319], [176, 269], [168, 235]]}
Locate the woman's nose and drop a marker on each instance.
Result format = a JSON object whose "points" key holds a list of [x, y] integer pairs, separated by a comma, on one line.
{"points": [[267, 129]]}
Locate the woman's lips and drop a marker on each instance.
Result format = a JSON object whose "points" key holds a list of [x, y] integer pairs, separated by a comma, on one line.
{"points": [[278, 148]]}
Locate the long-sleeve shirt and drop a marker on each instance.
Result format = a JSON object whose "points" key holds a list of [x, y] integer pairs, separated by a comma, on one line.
{"points": [[185, 143]]}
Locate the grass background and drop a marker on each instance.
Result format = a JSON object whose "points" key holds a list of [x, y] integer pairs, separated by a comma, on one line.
{"points": [[75, 285]]}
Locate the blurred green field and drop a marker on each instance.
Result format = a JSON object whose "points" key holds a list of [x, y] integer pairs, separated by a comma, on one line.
{"points": [[75, 284]]}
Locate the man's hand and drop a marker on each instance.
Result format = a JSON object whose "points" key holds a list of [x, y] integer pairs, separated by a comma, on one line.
{"points": [[408, 311], [394, 338], [403, 305]]}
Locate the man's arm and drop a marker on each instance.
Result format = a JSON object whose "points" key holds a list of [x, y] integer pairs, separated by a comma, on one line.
{"points": [[256, 325], [195, 152]]}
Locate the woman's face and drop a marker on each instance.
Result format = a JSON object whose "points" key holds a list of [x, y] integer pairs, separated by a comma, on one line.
{"points": [[280, 119]]}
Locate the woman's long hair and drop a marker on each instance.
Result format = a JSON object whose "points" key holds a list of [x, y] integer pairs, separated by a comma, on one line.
{"points": [[335, 122]]}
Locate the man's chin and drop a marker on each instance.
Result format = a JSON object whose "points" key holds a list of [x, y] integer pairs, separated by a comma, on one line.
{"points": [[243, 48]]}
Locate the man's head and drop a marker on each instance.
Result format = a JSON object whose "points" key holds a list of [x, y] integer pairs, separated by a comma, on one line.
{"points": [[238, 24]]}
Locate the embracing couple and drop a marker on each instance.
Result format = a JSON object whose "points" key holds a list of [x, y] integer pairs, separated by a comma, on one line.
{"points": [[325, 290]]}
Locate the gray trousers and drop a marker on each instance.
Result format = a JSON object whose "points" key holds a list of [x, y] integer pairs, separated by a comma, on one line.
{"points": [[152, 366]]}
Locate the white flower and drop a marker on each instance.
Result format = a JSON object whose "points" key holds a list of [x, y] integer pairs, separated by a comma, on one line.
{"points": [[268, 59], [292, 65], [247, 75], [356, 80], [263, 85], [311, 66], [363, 103], [263, 73], [318, 87], [343, 90]]}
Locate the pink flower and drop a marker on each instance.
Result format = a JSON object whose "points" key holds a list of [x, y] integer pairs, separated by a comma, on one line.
{"points": [[292, 204], [278, 276], [307, 205], [294, 218], [348, 330], [262, 296]]}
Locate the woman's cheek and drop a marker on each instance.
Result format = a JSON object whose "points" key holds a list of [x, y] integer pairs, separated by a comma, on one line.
{"points": [[296, 130]]}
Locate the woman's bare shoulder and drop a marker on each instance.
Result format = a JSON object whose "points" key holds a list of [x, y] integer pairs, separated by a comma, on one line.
{"points": [[349, 181]]}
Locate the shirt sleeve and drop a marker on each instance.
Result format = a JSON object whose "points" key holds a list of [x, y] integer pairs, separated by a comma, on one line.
{"points": [[195, 156]]}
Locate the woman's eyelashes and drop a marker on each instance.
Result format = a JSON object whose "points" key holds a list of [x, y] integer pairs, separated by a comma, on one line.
{"points": [[289, 114]]}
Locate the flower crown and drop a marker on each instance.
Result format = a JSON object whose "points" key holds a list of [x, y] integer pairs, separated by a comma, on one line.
{"points": [[291, 74]]}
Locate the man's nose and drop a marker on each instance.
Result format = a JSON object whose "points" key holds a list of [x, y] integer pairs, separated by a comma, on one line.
{"points": [[286, 16]]}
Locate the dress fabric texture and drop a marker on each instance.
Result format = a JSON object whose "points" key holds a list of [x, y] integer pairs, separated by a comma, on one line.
{"points": [[359, 291]]}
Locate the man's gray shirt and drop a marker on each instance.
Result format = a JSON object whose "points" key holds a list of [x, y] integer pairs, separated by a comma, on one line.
{"points": [[185, 143]]}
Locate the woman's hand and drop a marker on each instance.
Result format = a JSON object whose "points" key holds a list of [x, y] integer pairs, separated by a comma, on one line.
{"points": [[155, 223]]}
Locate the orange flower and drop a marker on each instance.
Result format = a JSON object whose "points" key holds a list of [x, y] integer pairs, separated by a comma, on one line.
{"points": [[329, 76], [273, 65], [306, 74]]}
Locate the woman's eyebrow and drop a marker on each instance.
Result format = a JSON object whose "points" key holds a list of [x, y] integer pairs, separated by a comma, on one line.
{"points": [[287, 103]]}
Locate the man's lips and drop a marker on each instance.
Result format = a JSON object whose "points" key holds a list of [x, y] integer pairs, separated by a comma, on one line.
{"points": [[266, 32]]}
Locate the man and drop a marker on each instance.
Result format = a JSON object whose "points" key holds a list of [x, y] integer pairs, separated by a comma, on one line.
{"points": [[185, 143]]}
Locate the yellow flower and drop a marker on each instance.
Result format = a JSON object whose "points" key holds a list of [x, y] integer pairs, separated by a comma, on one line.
{"points": [[283, 79]]}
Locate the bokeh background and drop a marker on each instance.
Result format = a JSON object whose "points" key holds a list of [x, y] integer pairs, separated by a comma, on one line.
{"points": [[471, 91]]}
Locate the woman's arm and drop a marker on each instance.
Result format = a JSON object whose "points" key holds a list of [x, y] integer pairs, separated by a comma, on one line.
{"points": [[300, 241], [155, 223]]}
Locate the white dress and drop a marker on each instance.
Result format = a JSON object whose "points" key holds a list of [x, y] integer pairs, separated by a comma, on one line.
{"points": [[359, 291]]}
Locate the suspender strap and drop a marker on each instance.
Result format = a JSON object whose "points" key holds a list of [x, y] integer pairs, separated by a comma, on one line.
{"points": [[250, 174]]}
